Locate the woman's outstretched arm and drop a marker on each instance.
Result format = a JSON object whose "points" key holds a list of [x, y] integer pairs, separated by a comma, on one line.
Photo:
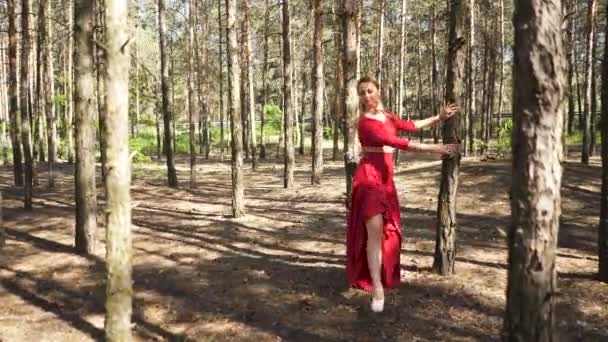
{"points": [[445, 114]]}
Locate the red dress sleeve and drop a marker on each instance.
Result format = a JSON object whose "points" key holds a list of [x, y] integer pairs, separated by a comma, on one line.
{"points": [[403, 125], [374, 133]]}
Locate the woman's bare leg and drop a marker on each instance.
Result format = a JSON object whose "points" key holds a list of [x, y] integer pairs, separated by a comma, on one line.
{"points": [[375, 227]]}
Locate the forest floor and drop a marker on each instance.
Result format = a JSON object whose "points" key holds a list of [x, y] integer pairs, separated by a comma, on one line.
{"points": [[278, 274]]}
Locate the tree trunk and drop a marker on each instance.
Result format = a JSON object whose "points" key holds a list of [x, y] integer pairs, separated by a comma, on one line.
{"points": [[49, 82], [586, 151], [119, 290], [501, 67], [4, 110], [289, 157], [192, 98], [26, 138], [470, 147], [419, 78], [351, 101], [221, 57], [401, 89], [14, 95], [538, 106], [593, 106], [251, 92], [164, 79], [317, 96], [264, 85], [100, 62], [433, 77], [445, 244], [603, 228], [69, 119], [339, 85], [380, 43], [86, 200], [569, 119], [238, 190]]}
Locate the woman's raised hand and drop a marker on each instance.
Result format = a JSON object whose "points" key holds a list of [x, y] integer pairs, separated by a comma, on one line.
{"points": [[449, 111]]}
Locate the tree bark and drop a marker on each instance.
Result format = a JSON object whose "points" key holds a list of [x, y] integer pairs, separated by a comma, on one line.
{"points": [[13, 94], [289, 157], [26, 138], [586, 151], [318, 85], [445, 244], [603, 228], [119, 290], [49, 82], [250, 83], [470, 147], [86, 200], [69, 119], [539, 86], [380, 44], [221, 58], [351, 102], [164, 79], [192, 98], [339, 85], [238, 188]]}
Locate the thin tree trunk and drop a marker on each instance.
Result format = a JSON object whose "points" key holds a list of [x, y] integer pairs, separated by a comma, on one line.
{"points": [[603, 227], [221, 58], [351, 102], [86, 200], [401, 89], [433, 76], [4, 110], [569, 119], [472, 94], [251, 92], [171, 172], [338, 86], [101, 64], [264, 85], [119, 291], [238, 188], [501, 66], [380, 41], [586, 151], [192, 98], [50, 98], [317, 95], [419, 77], [69, 129], [25, 119], [289, 158], [13, 93], [538, 106], [445, 244]]}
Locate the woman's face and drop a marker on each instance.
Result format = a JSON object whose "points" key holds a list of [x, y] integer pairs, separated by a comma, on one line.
{"points": [[368, 95]]}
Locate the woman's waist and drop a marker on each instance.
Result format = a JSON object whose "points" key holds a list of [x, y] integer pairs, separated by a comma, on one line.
{"points": [[377, 149]]}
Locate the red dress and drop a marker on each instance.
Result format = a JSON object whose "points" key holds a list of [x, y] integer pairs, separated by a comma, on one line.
{"points": [[374, 193]]}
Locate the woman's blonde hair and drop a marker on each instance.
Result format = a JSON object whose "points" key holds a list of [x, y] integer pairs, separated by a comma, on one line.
{"points": [[369, 79]]}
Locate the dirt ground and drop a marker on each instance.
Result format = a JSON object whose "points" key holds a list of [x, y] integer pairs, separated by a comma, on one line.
{"points": [[278, 274]]}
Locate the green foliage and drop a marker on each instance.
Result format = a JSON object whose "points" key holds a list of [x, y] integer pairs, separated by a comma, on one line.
{"points": [[576, 138], [144, 144], [274, 116], [503, 143]]}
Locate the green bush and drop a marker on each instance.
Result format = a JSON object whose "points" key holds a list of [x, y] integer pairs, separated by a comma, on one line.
{"points": [[503, 143]]}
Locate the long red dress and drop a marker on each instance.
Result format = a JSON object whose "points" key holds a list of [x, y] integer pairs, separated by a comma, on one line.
{"points": [[374, 193]]}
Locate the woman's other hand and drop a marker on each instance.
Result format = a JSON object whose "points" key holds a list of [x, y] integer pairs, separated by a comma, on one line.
{"points": [[449, 111]]}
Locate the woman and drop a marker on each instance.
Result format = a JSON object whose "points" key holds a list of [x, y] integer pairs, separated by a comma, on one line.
{"points": [[374, 229]]}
